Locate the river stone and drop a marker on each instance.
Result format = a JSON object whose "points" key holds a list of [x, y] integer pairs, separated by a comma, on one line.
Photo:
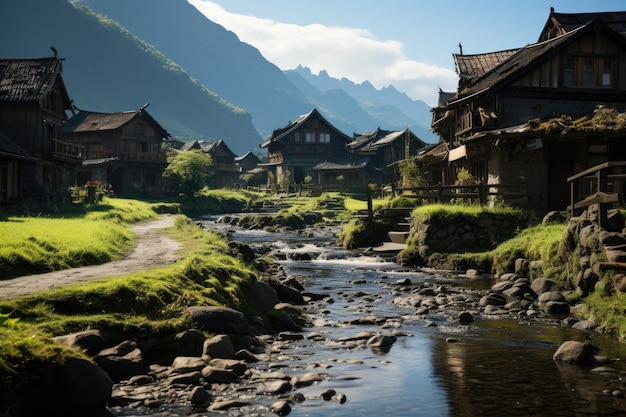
{"points": [[215, 375], [280, 408], [306, 379], [328, 394], [227, 405], [585, 325], [246, 356], [576, 352], [189, 342], [381, 340], [465, 317], [287, 294], [502, 286], [541, 285], [188, 378], [263, 295], [276, 387], [219, 320], [76, 387], [556, 307], [184, 364], [492, 299], [220, 346], [199, 396], [91, 341], [238, 367], [121, 362], [551, 296]]}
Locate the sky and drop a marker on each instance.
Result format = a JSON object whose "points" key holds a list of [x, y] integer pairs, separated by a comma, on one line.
{"points": [[404, 43]]}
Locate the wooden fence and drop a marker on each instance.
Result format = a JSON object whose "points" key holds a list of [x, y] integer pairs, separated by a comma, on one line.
{"points": [[476, 193], [602, 184]]}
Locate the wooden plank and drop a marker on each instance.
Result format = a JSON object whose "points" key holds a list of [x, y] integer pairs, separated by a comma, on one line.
{"points": [[611, 265], [597, 198]]}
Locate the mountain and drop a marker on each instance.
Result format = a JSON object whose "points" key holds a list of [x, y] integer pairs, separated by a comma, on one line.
{"points": [[391, 108], [240, 74], [214, 56], [107, 68]]}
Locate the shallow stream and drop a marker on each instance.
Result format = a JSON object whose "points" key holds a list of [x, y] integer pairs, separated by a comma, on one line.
{"points": [[494, 366]]}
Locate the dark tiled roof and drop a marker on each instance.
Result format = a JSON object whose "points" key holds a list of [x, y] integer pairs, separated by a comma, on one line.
{"points": [[291, 126], [519, 61], [86, 121], [561, 23], [363, 139], [24, 80], [9, 147], [342, 166], [472, 67]]}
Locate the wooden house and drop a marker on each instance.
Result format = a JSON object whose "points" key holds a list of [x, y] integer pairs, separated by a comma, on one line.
{"points": [[123, 149], [225, 172], [36, 164], [303, 144], [383, 150], [510, 122]]}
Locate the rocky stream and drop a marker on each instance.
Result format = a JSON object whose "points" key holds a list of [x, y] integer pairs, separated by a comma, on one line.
{"points": [[359, 335]]}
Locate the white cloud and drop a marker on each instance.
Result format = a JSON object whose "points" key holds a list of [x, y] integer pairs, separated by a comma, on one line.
{"points": [[347, 52]]}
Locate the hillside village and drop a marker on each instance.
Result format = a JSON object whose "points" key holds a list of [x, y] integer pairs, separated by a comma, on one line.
{"points": [[520, 124]]}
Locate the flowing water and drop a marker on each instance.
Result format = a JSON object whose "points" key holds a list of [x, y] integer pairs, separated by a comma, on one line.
{"points": [[491, 367]]}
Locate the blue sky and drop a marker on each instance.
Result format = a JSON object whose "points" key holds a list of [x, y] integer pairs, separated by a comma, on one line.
{"points": [[406, 43]]}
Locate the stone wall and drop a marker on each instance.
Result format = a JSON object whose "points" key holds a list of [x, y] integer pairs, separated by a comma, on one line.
{"points": [[459, 233], [591, 255]]}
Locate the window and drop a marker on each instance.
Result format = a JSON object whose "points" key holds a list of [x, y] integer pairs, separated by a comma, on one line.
{"points": [[324, 137], [309, 137], [296, 137], [588, 72]]}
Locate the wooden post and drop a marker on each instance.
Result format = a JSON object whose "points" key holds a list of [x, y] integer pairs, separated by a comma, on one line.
{"points": [[481, 194], [370, 211], [439, 192]]}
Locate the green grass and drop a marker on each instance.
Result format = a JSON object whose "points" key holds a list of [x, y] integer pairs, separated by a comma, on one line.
{"points": [[149, 305], [539, 242], [82, 236]]}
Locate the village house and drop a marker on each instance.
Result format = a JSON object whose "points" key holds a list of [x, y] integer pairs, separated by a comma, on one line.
{"points": [[382, 150], [250, 171], [225, 172], [36, 164], [123, 149], [525, 117], [296, 149]]}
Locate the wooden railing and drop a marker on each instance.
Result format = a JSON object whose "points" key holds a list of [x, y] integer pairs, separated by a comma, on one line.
{"points": [[476, 193], [601, 184], [66, 150]]}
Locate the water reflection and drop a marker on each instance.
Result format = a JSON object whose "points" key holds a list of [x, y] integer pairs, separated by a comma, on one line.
{"points": [[494, 367]]}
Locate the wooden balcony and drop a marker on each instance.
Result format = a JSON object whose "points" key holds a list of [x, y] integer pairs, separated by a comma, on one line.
{"points": [[66, 151]]}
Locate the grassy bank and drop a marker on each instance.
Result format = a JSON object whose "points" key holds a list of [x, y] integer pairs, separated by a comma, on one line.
{"points": [[147, 306]]}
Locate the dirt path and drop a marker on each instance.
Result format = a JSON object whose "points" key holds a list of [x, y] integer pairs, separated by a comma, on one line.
{"points": [[152, 249]]}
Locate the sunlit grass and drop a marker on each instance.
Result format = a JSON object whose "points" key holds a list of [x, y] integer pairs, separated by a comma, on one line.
{"points": [[97, 234]]}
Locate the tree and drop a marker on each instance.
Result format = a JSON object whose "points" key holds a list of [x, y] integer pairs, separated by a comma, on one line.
{"points": [[189, 169]]}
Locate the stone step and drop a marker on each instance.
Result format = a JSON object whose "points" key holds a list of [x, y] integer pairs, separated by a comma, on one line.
{"points": [[398, 237]]}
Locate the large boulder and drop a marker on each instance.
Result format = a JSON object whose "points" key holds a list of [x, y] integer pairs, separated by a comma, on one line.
{"points": [[581, 353], [75, 387], [220, 346], [219, 320], [263, 295], [90, 341], [121, 362]]}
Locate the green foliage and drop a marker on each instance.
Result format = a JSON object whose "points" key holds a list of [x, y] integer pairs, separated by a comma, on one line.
{"points": [[360, 233], [189, 169], [308, 179], [273, 182], [463, 177], [410, 173], [92, 235]]}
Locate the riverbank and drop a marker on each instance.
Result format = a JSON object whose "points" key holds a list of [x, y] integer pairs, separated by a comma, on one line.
{"points": [[151, 305]]}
